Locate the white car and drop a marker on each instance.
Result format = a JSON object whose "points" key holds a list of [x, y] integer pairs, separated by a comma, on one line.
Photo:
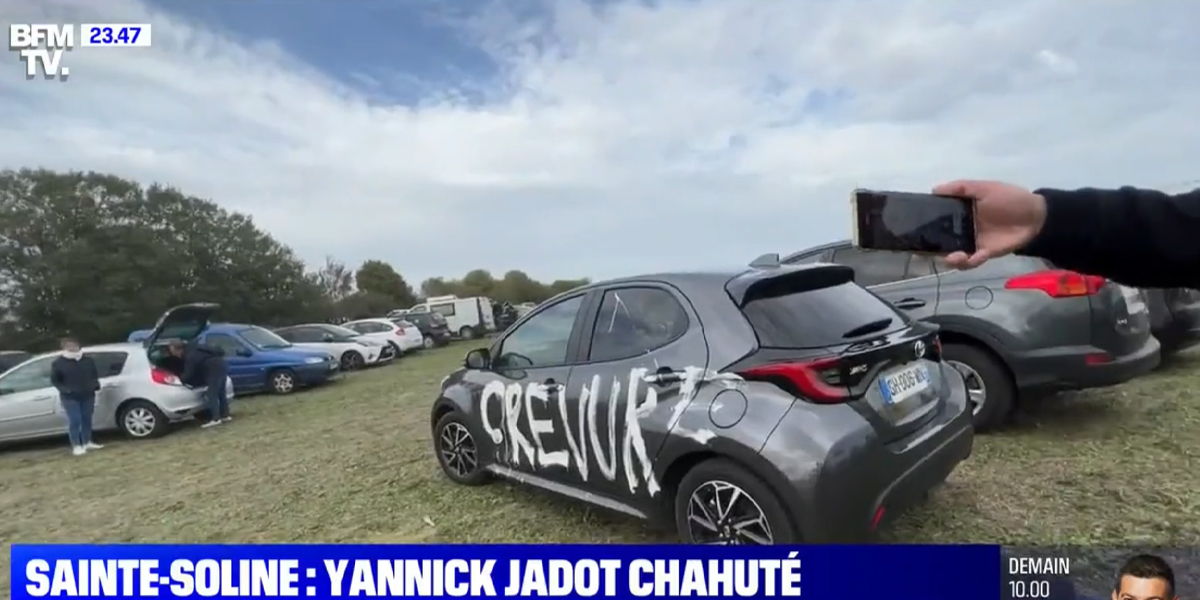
{"points": [[467, 318], [404, 336], [353, 350]]}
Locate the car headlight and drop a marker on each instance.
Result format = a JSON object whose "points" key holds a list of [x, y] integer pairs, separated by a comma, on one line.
{"points": [[312, 360]]}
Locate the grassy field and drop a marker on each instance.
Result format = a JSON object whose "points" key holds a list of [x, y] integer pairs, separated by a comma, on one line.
{"points": [[352, 462]]}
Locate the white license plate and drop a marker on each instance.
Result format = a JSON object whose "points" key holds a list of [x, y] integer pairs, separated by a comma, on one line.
{"points": [[903, 384], [1134, 304]]}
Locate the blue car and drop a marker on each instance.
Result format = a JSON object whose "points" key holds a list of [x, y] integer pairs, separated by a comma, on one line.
{"points": [[259, 360]]}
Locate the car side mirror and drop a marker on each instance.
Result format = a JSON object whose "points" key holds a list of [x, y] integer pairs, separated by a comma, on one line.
{"points": [[244, 352], [480, 358]]}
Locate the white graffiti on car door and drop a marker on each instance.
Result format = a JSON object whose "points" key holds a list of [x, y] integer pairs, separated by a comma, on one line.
{"points": [[583, 438]]}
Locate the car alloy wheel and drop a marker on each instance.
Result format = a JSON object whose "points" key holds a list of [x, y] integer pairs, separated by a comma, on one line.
{"points": [[724, 514], [976, 389], [140, 422], [352, 361], [458, 451], [283, 382], [428, 343]]}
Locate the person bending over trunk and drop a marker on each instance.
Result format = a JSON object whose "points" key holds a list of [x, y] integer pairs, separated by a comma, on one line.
{"points": [[204, 365], [74, 376]]}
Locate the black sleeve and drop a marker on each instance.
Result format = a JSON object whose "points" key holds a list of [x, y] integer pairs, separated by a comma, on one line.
{"points": [[56, 377], [191, 364], [93, 373], [1141, 238]]}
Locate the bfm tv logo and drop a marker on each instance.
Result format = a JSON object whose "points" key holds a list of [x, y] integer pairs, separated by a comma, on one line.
{"points": [[42, 46]]}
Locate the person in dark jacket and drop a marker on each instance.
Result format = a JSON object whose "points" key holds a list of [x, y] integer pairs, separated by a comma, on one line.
{"points": [[1137, 237], [74, 376], [204, 365]]}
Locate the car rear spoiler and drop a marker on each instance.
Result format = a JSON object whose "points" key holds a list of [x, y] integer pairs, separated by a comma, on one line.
{"points": [[782, 280]]}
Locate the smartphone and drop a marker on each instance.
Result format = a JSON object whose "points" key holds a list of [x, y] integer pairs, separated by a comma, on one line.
{"points": [[908, 222]]}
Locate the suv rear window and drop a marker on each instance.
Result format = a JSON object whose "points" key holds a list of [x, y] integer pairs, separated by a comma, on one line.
{"points": [[819, 318]]}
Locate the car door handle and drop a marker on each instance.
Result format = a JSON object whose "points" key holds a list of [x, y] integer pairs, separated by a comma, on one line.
{"points": [[909, 303], [664, 376], [43, 398]]}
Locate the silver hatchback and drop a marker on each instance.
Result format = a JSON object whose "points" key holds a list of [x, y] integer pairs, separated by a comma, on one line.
{"points": [[136, 397]]}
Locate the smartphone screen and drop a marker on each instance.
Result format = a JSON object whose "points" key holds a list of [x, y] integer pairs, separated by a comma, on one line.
{"points": [[908, 222]]}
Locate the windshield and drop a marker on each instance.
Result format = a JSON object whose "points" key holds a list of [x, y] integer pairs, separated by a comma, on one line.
{"points": [[263, 339]]}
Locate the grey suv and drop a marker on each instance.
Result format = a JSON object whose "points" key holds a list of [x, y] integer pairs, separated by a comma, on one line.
{"points": [[1017, 327]]}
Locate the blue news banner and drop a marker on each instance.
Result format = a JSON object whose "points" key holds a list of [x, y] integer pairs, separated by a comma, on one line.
{"points": [[565, 571]]}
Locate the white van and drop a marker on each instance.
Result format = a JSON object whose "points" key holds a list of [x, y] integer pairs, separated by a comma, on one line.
{"points": [[467, 318]]}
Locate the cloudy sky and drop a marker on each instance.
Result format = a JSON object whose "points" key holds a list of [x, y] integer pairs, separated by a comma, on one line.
{"points": [[581, 138]]}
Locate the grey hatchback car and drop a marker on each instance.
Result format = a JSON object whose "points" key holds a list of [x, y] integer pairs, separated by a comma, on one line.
{"points": [[135, 397], [1016, 327]]}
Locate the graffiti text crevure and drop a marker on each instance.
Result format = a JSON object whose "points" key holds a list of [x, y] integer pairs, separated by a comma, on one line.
{"points": [[583, 437]]}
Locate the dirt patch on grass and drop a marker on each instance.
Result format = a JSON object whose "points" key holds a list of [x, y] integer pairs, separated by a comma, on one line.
{"points": [[351, 462]]}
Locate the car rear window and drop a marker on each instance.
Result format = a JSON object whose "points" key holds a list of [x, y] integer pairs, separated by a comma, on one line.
{"points": [[819, 318], [109, 364]]}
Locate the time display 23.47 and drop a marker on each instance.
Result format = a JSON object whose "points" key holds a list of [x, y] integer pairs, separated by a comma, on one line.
{"points": [[130, 35]]}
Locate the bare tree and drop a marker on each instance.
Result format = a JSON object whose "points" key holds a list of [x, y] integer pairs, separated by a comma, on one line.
{"points": [[335, 279]]}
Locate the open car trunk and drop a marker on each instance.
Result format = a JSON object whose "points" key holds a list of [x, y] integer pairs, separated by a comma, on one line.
{"points": [[160, 357]]}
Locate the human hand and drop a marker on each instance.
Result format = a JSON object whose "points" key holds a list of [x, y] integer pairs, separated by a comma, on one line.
{"points": [[1007, 217]]}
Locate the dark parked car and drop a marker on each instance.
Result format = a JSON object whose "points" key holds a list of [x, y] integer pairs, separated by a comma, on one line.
{"points": [[433, 327], [762, 407], [1174, 318], [1017, 327], [12, 358]]}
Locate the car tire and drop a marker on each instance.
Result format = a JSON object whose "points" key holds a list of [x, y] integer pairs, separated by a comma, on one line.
{"points": [[467, 332], [281, 382], [992, 391], [457, 452], [142, 419], [716, 480], [429, 343], [352, 361], [396, 351]]}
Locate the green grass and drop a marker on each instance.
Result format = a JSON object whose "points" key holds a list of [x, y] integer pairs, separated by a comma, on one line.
{"points": [[351, 462]]}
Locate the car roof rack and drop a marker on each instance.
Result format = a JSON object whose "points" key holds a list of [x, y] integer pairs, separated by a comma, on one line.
{"points": [[766, 261]]}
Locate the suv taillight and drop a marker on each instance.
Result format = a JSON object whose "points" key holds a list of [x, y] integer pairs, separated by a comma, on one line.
{"points": [[810, 379], [163, 377], [1057, 283]]}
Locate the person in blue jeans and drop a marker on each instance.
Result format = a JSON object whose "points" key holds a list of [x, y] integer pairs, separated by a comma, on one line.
{"points": [[204, 365], [74, 375]]}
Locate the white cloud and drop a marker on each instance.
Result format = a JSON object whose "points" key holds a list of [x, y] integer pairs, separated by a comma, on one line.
{"points": [[637, 137]]}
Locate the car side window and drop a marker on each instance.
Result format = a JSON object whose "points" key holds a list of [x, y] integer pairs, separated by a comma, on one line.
{"points": [[635, 321], [28, 377], [920, 265], [873, 268], [226, 343], [446, 310], [109, 364], [306, 335], [542, 340]]}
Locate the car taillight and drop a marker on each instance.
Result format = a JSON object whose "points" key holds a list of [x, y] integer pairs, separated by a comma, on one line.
{"points": [[163, 377], [1057, 283], [810, 379]]}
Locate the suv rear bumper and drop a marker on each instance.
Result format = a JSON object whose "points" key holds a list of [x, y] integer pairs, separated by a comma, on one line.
{"points": [[1067, 368]]}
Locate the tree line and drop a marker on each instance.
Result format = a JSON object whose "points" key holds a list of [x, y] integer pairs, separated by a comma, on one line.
{"points": [[96, 256]]}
